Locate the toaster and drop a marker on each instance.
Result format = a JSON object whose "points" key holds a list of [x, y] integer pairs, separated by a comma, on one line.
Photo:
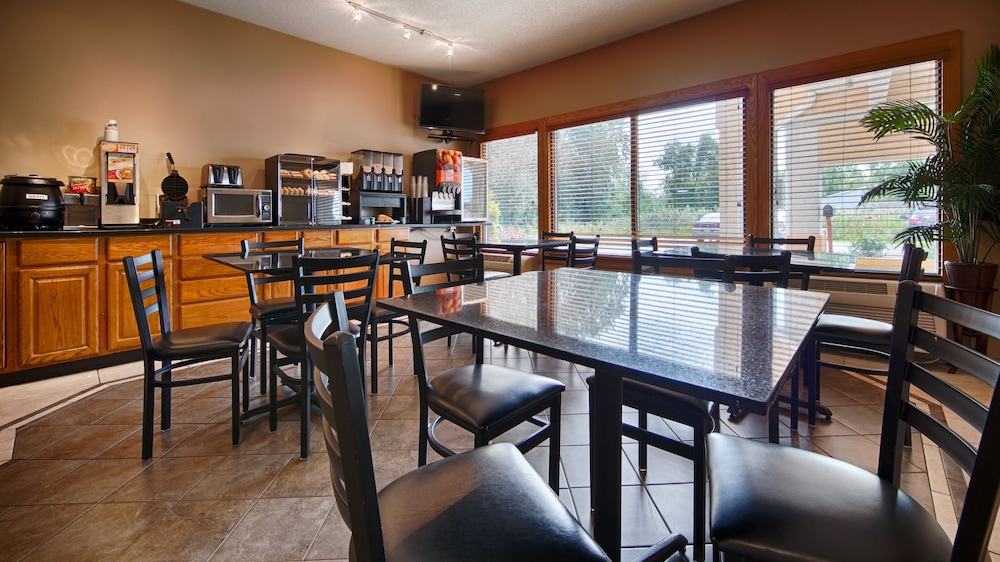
{"points": [[222, 175]]}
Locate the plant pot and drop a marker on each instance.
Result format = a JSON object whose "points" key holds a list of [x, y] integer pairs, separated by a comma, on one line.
{"points": [[971, 276]]}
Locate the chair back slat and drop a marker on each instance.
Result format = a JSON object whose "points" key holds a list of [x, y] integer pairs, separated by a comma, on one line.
{"points": [[317, 278], [978, 455], [700, 268], [148, 299], [807, 244], [459, 248], [404, 251], [753, 269], [645, 244], [456, 272], [345, 426]]}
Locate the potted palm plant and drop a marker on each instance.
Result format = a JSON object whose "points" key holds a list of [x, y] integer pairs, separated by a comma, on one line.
{"points": [[961, 178]]}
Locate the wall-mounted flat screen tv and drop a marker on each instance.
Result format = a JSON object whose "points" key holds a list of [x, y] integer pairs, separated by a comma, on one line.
{"points": [[450, 108]]}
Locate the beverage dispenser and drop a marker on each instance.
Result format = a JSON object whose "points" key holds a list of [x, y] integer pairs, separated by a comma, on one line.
{"points": [[443, 201], [119, 191]]}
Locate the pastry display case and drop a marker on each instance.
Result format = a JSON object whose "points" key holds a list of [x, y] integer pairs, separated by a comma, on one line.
{"points": [[306, 189]]}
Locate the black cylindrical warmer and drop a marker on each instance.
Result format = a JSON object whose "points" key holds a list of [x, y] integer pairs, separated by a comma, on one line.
{"points": [[31, 203]]}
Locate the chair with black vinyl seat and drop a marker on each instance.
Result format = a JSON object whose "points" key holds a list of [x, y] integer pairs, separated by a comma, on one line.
{"points": [[651, 244], [854, 334], [399, 251], [559, 255], [702, 416], [487, 504], [583, 251], [463, 248], [775, 503], [485, 400], [267, 310], [754, 269], [808, 244], [177, 349], [315, 281]]}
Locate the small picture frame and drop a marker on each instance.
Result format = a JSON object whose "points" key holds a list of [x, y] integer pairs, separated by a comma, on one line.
{"points": [[81, 185]]}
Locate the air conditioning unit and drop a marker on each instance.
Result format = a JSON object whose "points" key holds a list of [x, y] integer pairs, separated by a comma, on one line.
{"points": [[872, 298]]}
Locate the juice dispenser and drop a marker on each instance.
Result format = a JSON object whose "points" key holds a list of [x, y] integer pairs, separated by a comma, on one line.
{"points": [[120, 184]]}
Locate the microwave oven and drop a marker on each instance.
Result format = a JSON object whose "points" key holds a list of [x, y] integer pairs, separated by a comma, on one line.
{"points": [[227, 205]]}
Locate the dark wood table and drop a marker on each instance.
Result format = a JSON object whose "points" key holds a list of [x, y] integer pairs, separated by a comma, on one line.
{"points": [[813, 263], [729, 343], [273, 263], [517, 246]]}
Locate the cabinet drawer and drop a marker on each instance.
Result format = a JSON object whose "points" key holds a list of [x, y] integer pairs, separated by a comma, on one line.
{"points": [[201, 244], [205, 313], [361, 237], [318, 238], [202, 268], [118, 248], [387, 234], [208, 290], [57, 252]]}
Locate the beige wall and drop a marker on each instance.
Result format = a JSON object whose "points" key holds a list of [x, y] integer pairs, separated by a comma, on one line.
{"points": [[208, 88], [179, 79], [739, 39]]}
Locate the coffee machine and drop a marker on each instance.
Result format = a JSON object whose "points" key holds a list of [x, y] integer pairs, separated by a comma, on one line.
{"points": [[119, 191]]}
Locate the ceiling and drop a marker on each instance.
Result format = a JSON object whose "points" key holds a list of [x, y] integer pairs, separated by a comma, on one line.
{"points": [[492, 38]]}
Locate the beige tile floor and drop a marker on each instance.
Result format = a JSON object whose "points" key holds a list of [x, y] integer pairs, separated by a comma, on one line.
{"points": [[75, 488]]}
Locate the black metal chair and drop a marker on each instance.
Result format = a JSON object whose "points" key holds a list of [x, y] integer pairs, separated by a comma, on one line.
{"points": [[558, 255], [315, 281], [855, 335], [267, 310], [651, 244], [775, 503], [702, 416], [807, 244], [176, 349], [583, 251], [753, 270], [485, 504], [399, 251], [463, 248], [485, 400]]}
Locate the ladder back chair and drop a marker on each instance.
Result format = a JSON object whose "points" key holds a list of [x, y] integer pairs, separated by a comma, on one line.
{"points": [[558, 256], [583, 251], [395, 323], [777, 503], [807, 244], [266, 309], [484, 504], [485, 400], [176, 349], [315, 281]]}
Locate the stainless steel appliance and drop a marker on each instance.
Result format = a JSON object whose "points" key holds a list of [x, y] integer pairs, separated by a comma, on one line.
{"points": [[306, 189], [82, 209], [228, 205], [120, 184], [222, 175]]}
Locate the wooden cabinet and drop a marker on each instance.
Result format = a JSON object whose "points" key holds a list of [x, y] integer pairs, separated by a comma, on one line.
{"points": [[208, 292], [66, 300], [122, 332], [59, 295], [3, 309], [383, 241]]}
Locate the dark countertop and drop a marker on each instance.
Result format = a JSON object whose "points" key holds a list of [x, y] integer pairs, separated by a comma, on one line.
{"points": [[91, 231]]}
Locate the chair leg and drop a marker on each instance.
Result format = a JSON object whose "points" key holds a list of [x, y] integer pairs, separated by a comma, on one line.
{"points": [[272, 396], [388, 342], [237, 373], [555, 425], [700, 489], [793, 399], [263, 359], [249, 373], [305, 403], [165, 396], [643, 446], [148, 404], [422, 437], [373, 346]]}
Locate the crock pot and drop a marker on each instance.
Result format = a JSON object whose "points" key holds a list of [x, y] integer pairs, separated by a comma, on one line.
{"points": [[31, 203]]}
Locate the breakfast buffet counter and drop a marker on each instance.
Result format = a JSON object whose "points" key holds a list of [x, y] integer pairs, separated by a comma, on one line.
{"points": [[66, 306]]}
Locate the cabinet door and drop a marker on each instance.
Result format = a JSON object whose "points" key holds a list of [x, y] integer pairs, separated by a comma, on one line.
{"points": [[3, 308], [62, 305], [122, 332], [209, 292]]}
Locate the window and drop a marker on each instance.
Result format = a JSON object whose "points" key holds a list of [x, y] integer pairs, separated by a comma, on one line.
{"points": [[512, 205], [823, 159], [672, 173]]}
